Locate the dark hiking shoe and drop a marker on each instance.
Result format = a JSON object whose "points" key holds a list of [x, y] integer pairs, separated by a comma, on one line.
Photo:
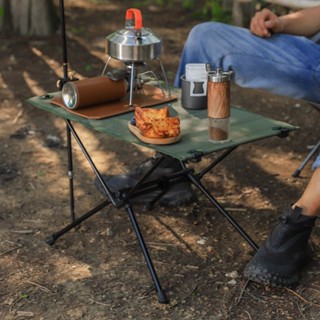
{"points": [[178, 195], [285, 252]]}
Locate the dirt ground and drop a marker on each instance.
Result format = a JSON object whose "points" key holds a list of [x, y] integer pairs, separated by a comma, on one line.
{"points": [[97, 271]]}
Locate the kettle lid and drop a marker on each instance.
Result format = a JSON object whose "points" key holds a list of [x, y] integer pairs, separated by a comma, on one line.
{"points": [[133, 34]]}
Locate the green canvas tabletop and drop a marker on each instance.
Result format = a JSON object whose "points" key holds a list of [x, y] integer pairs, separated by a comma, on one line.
{"points": [[245, 127]]}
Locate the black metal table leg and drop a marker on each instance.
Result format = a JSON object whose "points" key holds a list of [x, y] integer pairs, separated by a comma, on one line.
{"points": [[161, 294], [198, 184], [55, 236]]}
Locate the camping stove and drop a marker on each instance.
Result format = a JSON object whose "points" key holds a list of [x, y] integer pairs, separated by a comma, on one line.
{"points": [[139, 49]]}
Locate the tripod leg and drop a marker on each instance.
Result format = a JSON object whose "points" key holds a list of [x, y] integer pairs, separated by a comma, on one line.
{"points": [[161, 294]]}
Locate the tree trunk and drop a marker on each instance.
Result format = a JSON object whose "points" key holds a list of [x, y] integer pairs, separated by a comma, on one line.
{"points": [[5, 21], [28, 17], [242, 12]]}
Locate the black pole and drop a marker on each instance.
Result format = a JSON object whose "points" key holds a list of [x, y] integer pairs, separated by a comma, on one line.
{"points": [[64, 45], [61, 83]]}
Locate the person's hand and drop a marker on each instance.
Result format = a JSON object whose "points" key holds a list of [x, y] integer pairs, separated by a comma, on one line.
{"points": [[265, 23]]}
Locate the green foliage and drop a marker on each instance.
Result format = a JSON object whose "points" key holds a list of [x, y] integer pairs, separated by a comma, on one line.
{"points": [[2, 17], [78, 30], [157, 2], [163, 2], [88, 67], [41, 173], [211, 10], [187, 4]]}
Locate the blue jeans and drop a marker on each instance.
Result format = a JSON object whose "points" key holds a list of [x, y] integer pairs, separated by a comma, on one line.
{"points": [[282, 64]]}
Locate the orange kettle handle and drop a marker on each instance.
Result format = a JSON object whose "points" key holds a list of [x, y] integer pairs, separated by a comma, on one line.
{"points": [[136, 14]]}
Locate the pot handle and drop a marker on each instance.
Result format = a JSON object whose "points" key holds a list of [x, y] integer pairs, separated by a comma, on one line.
{"points": [[136, 14]]}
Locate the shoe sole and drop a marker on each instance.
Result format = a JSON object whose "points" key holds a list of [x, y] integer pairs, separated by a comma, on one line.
{"points": [[262, 276], [259, 274]]}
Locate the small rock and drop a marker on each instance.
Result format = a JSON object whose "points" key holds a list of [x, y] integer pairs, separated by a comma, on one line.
{"points": [[232, 282], [27, 314], [202, 241], [232, 274], [53, 141], [110, 233]]}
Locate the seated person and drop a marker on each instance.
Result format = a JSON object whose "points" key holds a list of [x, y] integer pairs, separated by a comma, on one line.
{"points": [[277, 54]]}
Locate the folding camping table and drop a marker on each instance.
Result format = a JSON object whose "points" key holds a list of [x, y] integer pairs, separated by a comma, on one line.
{"points": [[246, 127]]}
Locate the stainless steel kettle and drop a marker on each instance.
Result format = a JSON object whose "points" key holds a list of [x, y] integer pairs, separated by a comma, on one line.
{"points": [[134, 43]]}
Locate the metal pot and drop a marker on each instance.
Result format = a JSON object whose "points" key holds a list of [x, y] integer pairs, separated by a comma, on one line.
{"points": [[134, 43]]}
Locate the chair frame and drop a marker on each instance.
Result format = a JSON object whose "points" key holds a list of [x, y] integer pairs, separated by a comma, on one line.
{"points": [[312, 152]]}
